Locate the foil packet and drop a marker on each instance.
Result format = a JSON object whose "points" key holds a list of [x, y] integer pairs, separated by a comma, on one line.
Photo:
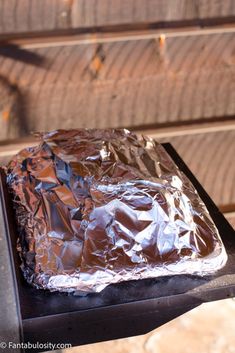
{"points": [[96, 207]]}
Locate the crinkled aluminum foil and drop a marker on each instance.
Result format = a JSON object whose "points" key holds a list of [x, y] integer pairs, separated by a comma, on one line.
{"points": [[96, 207]]}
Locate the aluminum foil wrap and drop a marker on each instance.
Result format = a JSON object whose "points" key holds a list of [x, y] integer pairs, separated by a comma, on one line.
{"points": [[96, 207]]}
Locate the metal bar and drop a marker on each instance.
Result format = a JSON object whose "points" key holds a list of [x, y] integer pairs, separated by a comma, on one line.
{"points": [[10, 322]]}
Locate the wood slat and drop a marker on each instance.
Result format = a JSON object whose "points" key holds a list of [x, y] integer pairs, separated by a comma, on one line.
{"points": [[111, 12], [210, 156], [231, 220], [10, 102], [33, 15], [115, 12], [19, 16], [126, 83]]}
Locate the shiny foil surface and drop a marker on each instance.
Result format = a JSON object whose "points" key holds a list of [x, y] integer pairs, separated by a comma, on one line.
{"points": [[96, 207]]}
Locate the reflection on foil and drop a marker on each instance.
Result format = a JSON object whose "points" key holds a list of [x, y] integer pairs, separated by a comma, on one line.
{"points": [[96, 207]]}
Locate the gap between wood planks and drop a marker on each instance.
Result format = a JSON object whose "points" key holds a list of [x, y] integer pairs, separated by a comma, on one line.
{"points": [[10, 147], [48, 39], [192, 129]]}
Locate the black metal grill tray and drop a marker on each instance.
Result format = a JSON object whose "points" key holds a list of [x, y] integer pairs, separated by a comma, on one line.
{"points": [[121, 310]]}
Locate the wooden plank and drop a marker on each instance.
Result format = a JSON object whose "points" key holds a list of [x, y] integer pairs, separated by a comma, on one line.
{"points": [[210, 156], [10, 103], [215, 8], [114, 12], [33, 15], [190, 129], [231, 218], [126, 83], [19, 16]]}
